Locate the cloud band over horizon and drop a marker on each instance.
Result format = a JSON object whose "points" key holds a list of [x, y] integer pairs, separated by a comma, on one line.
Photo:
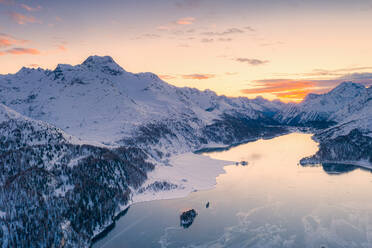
{"points": [[297, 89], [308, 45]]}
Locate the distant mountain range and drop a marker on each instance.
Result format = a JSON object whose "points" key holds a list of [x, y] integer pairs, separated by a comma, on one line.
{"points": [[76, 142]]}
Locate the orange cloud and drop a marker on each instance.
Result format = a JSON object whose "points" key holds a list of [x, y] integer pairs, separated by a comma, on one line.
{"points": [[185, 21], [20, 51], [293, 95], [23, 19], [62, 48], [277, 85], [29, 8], [297, 89], [284, 89], [231, 73], [198, 76], [7, 40]]}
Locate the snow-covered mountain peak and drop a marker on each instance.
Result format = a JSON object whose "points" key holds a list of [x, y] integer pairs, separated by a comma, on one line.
{"points": [[348, 89], [310, 97], [98, 60], [346, 99], [24, 71], [105, 64], [345, 91], [148, 76], [64, 67]]}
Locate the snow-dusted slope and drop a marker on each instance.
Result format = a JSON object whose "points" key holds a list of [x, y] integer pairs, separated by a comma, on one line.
{"points": [[327, 109], [349, 141], [17, 130], [100, 101]]}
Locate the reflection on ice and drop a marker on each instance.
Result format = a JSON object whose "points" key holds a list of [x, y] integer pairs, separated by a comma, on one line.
{"points": [[272, 202]]}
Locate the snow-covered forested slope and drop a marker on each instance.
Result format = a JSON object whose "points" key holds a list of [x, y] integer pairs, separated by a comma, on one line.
{"points": [[55, 191]]}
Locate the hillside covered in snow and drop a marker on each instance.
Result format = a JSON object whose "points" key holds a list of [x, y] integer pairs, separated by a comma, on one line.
{"points": [[349, 139], [100, 101], [78, 142]]}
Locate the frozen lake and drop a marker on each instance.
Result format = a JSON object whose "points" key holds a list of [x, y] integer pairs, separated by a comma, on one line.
{"points": [[271, 202]]}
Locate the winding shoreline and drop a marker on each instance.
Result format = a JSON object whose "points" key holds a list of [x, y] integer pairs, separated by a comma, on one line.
{"points": [[166, 195]]}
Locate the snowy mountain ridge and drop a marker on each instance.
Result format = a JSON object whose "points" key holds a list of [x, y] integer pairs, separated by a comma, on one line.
{"points": [[99, 101], [332, 107], [348, 140]]}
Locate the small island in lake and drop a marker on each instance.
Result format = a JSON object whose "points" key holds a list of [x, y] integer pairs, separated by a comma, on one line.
{"points": [[187, 218]]}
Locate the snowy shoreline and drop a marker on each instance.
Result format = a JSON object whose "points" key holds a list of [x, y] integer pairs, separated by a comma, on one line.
{"points": [[190, 172], [185, 171]]}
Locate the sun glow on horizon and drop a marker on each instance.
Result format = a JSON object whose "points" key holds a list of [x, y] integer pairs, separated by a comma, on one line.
{"points": [[227, 46]]}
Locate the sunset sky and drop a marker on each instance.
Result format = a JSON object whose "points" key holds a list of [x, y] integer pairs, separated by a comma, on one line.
{"points": [[278, 49]]}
